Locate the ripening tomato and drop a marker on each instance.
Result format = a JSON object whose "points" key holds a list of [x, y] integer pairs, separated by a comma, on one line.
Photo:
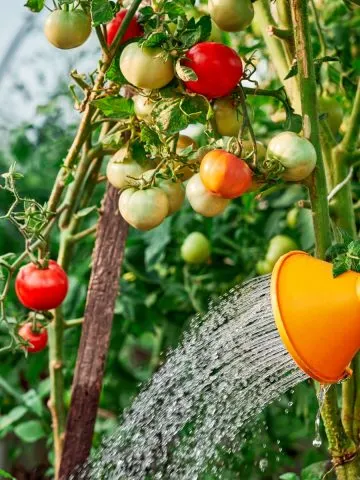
{"points": [[218, 69], [67, 29], [134, 29], [292, 155], [202, 200], [228, 117], [41, 288], [37, 339], [144, 209], [225, 174], [248, 149], [196, 248], [122, 169], [145, 67], [143, 107], [231, 15]]}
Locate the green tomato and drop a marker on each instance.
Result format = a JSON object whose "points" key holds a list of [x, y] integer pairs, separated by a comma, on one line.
{"points": [[231, 15], [248, 149], [203, 201], [121, 167], [174, 191], [228, 117], [196, 248], [263, 267], [144, 209], [143, 107], [144, 67], [278, 246], [67, 29], [334, 111], [292, 217], [290, 156]]}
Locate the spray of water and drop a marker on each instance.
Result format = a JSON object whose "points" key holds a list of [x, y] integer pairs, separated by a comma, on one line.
{"points": [[230, 365]]}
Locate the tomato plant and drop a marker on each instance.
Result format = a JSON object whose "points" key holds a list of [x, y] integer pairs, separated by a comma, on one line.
{"points": [[202, 200], [195, 248], [291, 156], [218, 69], [145, 68], [67, 29], [144, 209], [134, 29], [41, 288], [225, 174], [231, 15]]}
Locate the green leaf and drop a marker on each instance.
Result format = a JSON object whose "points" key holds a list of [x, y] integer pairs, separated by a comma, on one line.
{"points": [[340, 266], [13, 416], [335, 250], [116, 107], [316, 471], [306, 229], [4, 474], [101, 12], [293, 71], [174, 9], [146, 12], [157, 240], [149, 136], [155, 39], [85, 211], [289, 476], [35, 5], [114, 74], [354, 248], [30, 432], [205, 26], [185, 74], [33, 402], [169, 117]]}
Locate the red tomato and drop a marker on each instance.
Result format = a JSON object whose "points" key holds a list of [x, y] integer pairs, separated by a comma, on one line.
{"points": [[37, 339], [134, 29], [41, 289], [225, 174], [218, 68]]}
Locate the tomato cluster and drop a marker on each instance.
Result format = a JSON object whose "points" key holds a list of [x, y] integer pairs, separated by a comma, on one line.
{"points": [[39, 289]]}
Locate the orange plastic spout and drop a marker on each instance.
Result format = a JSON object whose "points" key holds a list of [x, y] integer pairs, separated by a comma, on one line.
{"points": [[318, 316]]}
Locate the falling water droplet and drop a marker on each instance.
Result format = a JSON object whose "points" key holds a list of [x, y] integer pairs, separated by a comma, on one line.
{"points": [[321, 395], [263, 464]]}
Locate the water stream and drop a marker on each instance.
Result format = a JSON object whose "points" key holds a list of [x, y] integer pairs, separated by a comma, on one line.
{"points": [[230, 365]]}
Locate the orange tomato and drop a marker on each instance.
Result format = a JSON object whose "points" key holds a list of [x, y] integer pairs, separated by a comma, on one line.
{"points": [[225, 174]]}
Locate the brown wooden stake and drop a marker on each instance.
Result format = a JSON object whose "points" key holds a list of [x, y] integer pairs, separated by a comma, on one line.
{"points": [[95, 338]]}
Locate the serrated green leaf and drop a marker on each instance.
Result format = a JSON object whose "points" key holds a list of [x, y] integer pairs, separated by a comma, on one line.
{"points": [[114, 74], [340, 266], [169, 117], [174, 9], [138, 152], [155, 39], [30, 432], [185, 74], [35, 5], [354, 248], [190, 37], [335, 250], [116, 107], [101, 12], [149, 136], [146, 12]]}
